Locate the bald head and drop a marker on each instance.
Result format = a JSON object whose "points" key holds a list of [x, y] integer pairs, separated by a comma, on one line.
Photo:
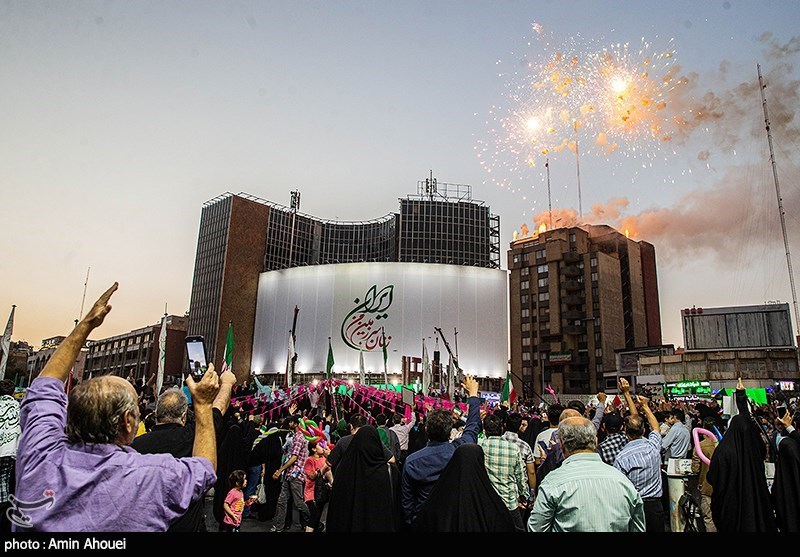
{"points": [[171, 407], [576, 434], [569, 413], [102, 410]]}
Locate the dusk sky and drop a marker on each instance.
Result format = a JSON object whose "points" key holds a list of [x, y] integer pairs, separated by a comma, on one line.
{"points": [[120, 119]]}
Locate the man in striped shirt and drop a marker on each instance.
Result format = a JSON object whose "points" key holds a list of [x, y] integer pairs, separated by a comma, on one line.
{"points": [[584, 494], [640, 461]]}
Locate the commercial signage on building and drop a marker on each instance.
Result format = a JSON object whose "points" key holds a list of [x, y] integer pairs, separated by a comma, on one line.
{"points": [[559, 357], [688, 388]]}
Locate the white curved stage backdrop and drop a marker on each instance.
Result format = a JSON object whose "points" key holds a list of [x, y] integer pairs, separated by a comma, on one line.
{"points": [[357, 304]]}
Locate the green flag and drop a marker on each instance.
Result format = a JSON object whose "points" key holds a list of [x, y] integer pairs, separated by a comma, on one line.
{"points": [[227, 365], [329, 365]]}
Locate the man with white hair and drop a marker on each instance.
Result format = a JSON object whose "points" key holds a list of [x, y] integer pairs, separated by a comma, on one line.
{"points": [[75, 469], [584, 494]]}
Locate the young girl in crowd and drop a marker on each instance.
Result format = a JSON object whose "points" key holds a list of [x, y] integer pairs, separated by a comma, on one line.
{"points": [[234, 502]]}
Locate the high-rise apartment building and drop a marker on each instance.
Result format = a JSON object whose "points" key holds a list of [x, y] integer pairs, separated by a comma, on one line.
{"points": [[577, 295], [242, 236]]}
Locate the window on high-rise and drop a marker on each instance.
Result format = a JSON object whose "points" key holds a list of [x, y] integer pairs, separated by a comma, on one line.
{"points": [[525, 312], [594, 277], [593, 262], [524, 285], [540, 254], [544, 282], [541, 269], [544, 296]]}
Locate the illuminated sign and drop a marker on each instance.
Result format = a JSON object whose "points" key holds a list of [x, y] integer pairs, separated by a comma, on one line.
{"points": [[786, 385], [688, 388], [362, 306]]}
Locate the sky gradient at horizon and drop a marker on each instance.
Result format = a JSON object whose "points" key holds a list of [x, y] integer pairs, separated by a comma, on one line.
{"points": [[121, 119]]}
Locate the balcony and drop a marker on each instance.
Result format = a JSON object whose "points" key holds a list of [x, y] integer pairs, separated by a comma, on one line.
{"points": [[573, 300], [574, 329], [571, 271], [571, 257], [573, 285], [574, 314]]}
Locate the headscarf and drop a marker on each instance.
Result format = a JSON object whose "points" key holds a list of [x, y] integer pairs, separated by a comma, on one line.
{"points": [[232, 455], [741, 500], [363, 498], [463, 500], [786, 489]]}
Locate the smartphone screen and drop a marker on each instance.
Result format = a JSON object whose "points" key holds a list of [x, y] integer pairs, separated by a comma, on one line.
{"points": [[781, 411], [196, 352]]}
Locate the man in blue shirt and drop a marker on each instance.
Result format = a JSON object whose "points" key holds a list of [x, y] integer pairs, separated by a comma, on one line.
{"points": [[676, 441], [423, 468]]}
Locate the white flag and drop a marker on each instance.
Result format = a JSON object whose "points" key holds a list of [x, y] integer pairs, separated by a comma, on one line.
{"points": [[362, 374], [289, 361], [6, 346], [162, 354], [426, 369]]}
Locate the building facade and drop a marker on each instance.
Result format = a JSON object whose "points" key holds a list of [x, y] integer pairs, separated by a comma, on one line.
{"points": [[576, 296], [725, 343], [135, 354], [38, 359], [242, 236]]}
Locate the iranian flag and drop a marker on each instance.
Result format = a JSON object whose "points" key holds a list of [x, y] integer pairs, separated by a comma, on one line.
{"points": [[508, 395], [227, 364]]}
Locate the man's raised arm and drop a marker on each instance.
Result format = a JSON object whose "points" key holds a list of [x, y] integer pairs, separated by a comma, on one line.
{"points": [[64, 357], [203, 395], [651, 418], [625, 387]]}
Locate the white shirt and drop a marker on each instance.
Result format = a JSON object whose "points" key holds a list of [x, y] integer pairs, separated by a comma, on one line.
{"points": [[545, 438]]}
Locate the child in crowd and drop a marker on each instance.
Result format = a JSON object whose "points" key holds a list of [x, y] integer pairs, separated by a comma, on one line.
{"points": [[234, 502]]}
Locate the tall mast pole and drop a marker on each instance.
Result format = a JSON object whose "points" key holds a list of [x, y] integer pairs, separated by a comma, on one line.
{"points": [[762, 86], [578, 170], [83, 300], [549, 198]]}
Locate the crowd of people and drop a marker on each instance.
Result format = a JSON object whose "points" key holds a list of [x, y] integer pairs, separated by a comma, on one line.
{"points": [[105, 458]]}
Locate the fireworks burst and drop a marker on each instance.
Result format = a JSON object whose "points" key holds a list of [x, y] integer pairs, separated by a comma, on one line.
{"points": [[612, 100]]}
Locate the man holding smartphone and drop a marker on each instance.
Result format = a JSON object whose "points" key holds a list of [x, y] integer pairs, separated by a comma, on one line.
{"points": [[78, 458]]}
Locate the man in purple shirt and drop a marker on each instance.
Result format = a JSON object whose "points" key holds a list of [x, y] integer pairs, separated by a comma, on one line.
{"points": [[75, 471]]}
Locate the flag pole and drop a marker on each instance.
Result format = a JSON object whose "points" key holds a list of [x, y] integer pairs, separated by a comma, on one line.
{"points": [[7, 343]]}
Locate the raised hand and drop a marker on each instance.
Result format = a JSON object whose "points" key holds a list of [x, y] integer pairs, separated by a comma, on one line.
{"points": [[624, 386], [470, 384], [95, 316], [204, 392]]}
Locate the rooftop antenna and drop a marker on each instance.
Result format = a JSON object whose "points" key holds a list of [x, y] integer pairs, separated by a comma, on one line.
{"points": [[83, 300], [294, 206], [549, 198], [578, 168], [762, 86]]}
